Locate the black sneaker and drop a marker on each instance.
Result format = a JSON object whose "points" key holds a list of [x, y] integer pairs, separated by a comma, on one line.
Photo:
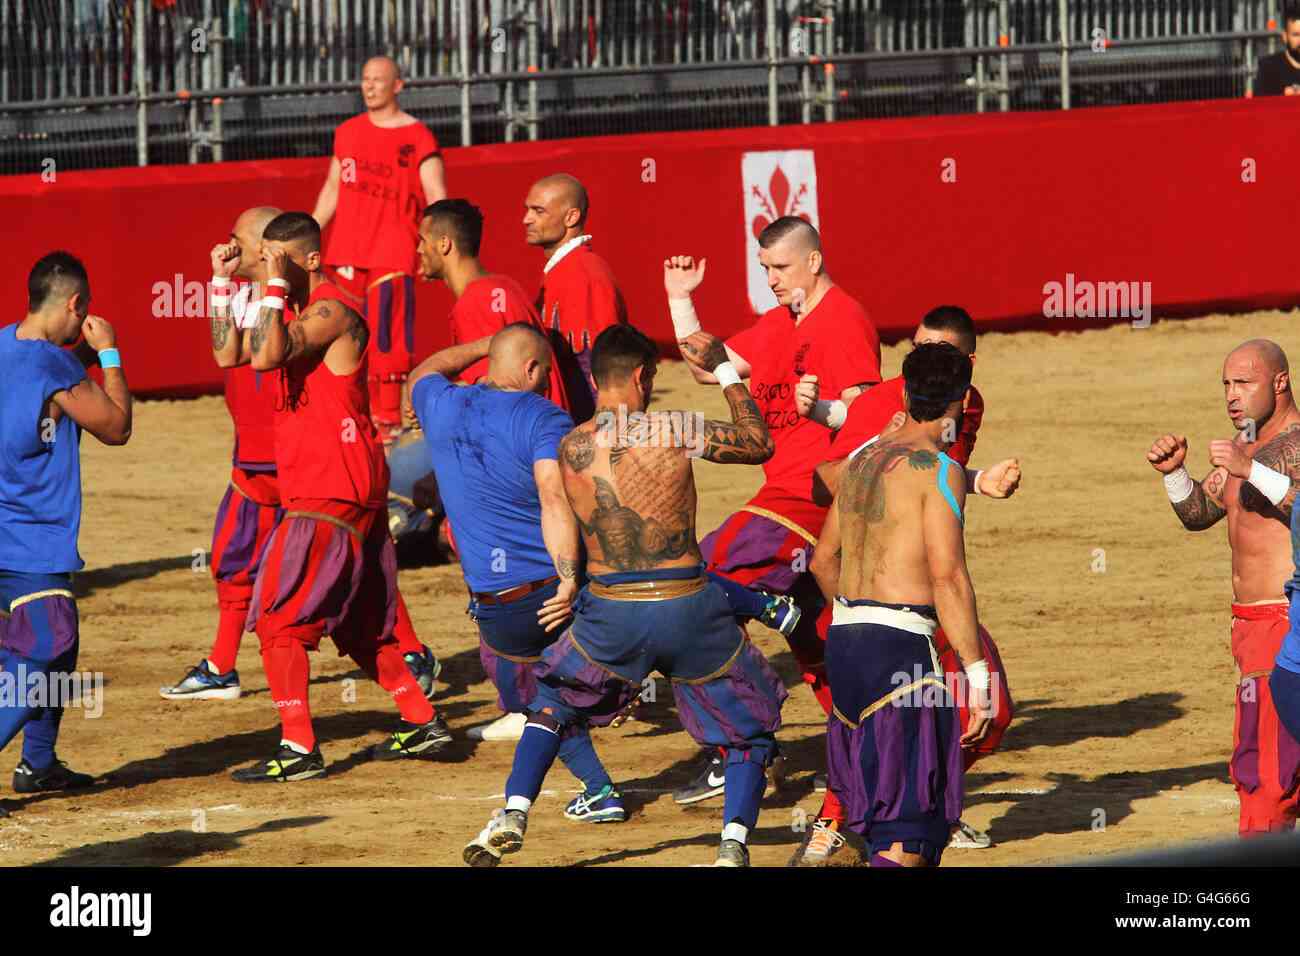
{"points": [[710, 783], [56, 776], [413, 740], [287, 766], [425, 668], [732, 853]]}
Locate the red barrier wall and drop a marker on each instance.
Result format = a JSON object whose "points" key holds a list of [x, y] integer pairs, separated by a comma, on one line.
{"points": [[1157, 194]]}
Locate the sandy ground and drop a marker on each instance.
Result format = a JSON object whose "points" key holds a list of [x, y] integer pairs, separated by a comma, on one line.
{"points": [[1112, 620]]}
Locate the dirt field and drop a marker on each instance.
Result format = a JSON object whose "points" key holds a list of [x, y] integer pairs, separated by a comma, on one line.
{"points": [[1112, 620]]}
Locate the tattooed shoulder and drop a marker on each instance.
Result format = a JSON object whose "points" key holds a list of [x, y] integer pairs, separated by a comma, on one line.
{"points": [[578, 449]]}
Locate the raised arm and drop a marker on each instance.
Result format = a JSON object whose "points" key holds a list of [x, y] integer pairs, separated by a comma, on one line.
{"points": [[744, 440], [327, 201], [954, 596], [682, 276], [229, 344], [104, 412], [560, 533], [1197, 504], [1273, 471]]}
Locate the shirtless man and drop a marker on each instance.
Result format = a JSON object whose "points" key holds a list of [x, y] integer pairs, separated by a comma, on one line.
{"points": [[892, 558], [1253, 481], [649, 605]]}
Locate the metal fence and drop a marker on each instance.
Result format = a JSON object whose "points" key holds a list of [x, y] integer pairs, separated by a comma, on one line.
{"points": [[121, 82]]}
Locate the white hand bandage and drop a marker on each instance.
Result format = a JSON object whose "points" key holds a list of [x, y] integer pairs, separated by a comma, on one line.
{"points": [[978, 674], [278, 281], [727, 375], [830, 414], [1179, 485], [974, 481], [1273, 485], [685, 322]]}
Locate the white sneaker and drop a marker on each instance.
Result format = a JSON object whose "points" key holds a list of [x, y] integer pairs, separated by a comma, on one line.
{"points": [[966, 837], [509, 727]]}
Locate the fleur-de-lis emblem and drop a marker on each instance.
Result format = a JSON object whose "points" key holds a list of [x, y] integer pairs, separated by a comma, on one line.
{"points": [[779, 201]]}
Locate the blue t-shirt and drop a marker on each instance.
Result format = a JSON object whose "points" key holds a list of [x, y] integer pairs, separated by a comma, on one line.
{"points": [[1289, 655], [482, 445], [40, 461]]}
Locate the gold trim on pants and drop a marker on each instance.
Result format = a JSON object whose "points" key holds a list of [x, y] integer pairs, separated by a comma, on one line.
{"points": [[929, 680], [782, 520], [648, 590], [328, 519]]}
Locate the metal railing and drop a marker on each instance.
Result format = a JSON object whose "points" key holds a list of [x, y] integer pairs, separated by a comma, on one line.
{"points": [[116, 82]]}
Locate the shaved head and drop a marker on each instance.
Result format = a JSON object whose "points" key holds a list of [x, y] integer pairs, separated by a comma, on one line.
{"points": [[520, 358], [254, 219], [798, 232], [381, 81], [247, 231], [1267, 353], [383, 63]]}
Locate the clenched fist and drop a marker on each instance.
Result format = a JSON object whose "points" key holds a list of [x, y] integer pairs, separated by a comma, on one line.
{"points": [[682, 276], [1000, 480], [225, 258], [704, 351], [276, 259], [805, 395], [1228, 454], [99, 335], [1167, 453]]}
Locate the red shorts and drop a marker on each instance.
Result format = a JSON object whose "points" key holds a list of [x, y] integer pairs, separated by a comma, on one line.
{"points": [[1003, 708], [386, 299], [248, 514], [330, 568], [1265, 757]]}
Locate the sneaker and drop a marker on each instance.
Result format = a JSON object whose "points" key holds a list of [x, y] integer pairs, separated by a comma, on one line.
{"points": [[57, 776], [710, 783], [781, 614], [203, 683], [603, 806], [506, 727], [503, 834], [287, 766], [413, 740], [966, 837], [425, 668], [732, 853], [821, 843]]}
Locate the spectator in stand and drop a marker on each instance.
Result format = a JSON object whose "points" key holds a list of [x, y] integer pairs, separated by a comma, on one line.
{"points": [[1279, 73]]}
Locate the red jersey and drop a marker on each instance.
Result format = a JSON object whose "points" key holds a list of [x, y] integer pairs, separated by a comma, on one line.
{"points": [[580, 300], [485, 307], [870, 413], [325, 444], [376, 224], [837, 343], [251, 399]]}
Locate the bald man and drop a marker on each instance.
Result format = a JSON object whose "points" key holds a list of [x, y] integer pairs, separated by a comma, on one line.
{"points": [[816, 337], [1253, 481], [386, 168], [494, 448], [251, 509], [578, 298]]}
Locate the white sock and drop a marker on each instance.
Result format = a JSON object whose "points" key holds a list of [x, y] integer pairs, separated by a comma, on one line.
{"points": [[735, 831], [296, 748], [522, 804]]}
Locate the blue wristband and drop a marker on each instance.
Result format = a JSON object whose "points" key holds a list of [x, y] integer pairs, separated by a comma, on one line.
{"points": [[110, 358]]}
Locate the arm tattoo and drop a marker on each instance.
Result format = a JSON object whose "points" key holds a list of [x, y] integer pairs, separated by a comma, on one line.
{"points": [[578, 449], [297, 344], [745, 439], [265, 317], [1199, 510], [1281, 454], [359, 332], [220, 332], [567, 567], [630, 542]]}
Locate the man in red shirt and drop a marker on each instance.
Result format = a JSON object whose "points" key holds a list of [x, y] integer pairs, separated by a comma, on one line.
{"points": [[451, 232], [578, 298], [250, 510], [386, 168], [329, 566], [874, 414], [817, 332]]}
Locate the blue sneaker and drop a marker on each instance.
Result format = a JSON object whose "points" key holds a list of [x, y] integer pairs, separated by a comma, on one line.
{"points": [[603, 806], [202, 683], [425, 668], [781, 614]]}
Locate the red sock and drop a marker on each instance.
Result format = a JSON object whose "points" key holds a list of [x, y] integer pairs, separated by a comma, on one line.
{"points": [[287, 673], [230, 631], [404, 630], [385, 665], [831, 809]]}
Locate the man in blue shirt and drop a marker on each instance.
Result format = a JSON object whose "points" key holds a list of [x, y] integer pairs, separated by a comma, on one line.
{"points": [[494, 448], [46, 401]]}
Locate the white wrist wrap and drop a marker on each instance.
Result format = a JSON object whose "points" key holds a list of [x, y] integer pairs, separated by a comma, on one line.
{"points": [[978, 674], [830, 414], [220, 282], [685, 322], [273, 302], [727, 375], [1179, 485], [277, 281], [1272, 484], [975, 483]]}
